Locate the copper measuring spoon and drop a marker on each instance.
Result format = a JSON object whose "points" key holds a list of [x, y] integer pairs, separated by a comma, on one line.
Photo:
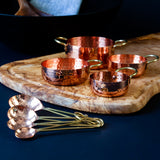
{"points": [[20, 111], [20, 120], [24, 105], [34, 104], [20, 116], [23, 116]]}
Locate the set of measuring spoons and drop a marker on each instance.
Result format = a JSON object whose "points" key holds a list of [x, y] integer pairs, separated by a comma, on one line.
{"points": [[24, 120]]}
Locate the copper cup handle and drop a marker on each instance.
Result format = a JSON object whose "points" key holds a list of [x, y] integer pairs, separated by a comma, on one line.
{"points": [[119, 69], [95, 65], [156, 58], [119, 43], [60, 42]]}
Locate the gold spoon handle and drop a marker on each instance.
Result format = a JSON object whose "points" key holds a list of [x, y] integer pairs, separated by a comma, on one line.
{"points": [[58, 112], [67, 128], [85, 122]]}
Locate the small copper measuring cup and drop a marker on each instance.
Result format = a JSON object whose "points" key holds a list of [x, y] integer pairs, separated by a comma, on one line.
{"points": [[110, 83], [66, 71], [90, 47], [131, 60]]}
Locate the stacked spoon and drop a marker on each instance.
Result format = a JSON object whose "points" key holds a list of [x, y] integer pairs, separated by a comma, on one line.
{"points": [[26, 122]]}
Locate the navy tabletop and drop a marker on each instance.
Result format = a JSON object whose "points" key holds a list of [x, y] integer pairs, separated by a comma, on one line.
{"points": [[131, 136]]}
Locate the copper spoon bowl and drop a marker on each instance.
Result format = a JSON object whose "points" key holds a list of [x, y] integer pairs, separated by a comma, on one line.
{"points": [[35, 104], [26, 101], [19, 122], [25, 132], [20, 111], [22, 117]]}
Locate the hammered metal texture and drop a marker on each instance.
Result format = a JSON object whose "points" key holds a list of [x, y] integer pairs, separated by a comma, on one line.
{"points": [[65, 71], [109, 84], [128, 60], [90, 47]]}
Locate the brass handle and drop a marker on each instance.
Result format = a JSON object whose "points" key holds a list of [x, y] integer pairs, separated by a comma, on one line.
{"points": [[119, 69], [95, 65], [119, 43], [60, 42], [88, 120], [156, 58]]}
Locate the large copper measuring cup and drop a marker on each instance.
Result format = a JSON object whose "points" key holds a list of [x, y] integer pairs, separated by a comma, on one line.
{"points": [[90, 47], [110, 83], [131, 60], [67, 71]]}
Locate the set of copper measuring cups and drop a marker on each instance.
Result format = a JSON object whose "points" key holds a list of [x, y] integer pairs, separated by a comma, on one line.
{"points": [[90, 52]]}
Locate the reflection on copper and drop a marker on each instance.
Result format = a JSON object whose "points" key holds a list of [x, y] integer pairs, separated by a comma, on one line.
{"points": [[109, 84], [26, 101], [90, 47], [25, 132], [23, 112], [19, 122], [128, 60], [65, 71]]}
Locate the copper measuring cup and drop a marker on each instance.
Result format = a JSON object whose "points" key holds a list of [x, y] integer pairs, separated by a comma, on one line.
{"points": [[90, 47], [131, 60], [66, 71], [110, 83]]}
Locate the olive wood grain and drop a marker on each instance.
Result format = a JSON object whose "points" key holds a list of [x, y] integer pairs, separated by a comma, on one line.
{"points": [[25, 77]]}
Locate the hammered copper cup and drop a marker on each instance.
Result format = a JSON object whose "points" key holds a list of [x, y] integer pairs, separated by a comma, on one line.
{"points": [[90, 47], [110, 83], [131, 60], [66, 71]]}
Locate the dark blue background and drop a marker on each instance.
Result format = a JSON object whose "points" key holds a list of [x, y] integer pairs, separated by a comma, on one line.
{"points": [[126, 137]]}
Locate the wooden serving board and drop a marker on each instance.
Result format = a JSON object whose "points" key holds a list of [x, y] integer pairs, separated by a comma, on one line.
{"points": [[25, 77]]}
